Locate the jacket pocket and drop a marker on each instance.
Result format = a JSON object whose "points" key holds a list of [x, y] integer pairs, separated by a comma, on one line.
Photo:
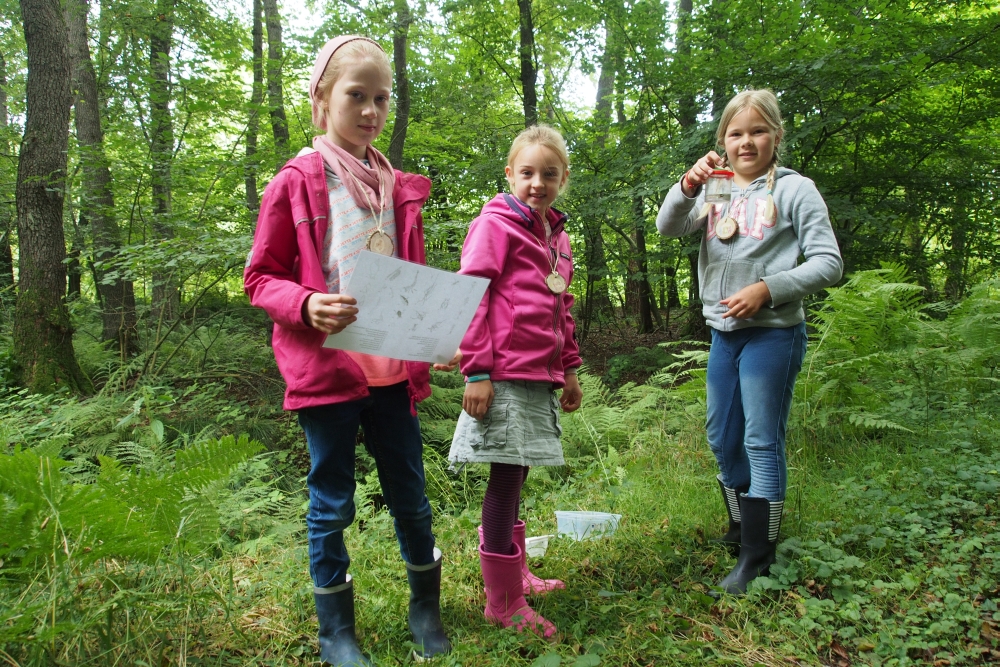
{"points": [[711, 290], [738, 274], [491, 431]]}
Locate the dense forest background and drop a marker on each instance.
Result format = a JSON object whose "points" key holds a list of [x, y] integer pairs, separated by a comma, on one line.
{"points": [[182, 112], [151, 489]]}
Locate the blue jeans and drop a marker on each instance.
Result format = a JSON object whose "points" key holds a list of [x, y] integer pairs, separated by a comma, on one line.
{"points": [[392, 437], [751, 376]]}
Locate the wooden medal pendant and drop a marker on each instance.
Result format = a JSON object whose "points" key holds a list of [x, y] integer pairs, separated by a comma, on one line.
{"points": [[381, 243], [556, 283], [726, 229]]}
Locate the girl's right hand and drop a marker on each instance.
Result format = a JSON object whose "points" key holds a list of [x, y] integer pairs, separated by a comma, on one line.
{"points": [[330, 313], [477, 398], [698, 175]]}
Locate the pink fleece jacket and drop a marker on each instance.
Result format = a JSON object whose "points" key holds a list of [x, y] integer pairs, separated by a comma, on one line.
{"points": [[521, 331], [285, 267]]}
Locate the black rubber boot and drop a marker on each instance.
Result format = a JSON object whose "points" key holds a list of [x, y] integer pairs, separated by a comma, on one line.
{"points": [[730, 498], [425, 609], [338, 645], [761, 521]]}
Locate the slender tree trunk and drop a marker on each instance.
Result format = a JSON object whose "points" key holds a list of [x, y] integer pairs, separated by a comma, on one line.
{"points": [[597, 302], [6, 256], [253, 123], [43, 336], [638, 290], [74, 269], [399, 125], [166, 298], [529, 74], [688, 120], [955, 255], [97, 205], [279, 124]]}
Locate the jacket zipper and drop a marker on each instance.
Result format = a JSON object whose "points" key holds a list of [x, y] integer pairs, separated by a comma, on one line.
{"points": [[557, 298]]}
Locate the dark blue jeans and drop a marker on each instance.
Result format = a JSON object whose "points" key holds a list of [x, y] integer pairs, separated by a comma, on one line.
{"points": [[751, 377], [392, 437]]}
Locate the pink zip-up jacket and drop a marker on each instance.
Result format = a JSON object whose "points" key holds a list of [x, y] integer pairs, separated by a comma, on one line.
{"points": [[285, 266], [521, 331]]}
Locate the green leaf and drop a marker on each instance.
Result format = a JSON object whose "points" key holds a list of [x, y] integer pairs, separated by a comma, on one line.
{"points": [[547, 660]]}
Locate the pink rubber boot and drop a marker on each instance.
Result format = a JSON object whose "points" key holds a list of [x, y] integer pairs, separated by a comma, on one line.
{"points": [[505, 603], [533, 584]]}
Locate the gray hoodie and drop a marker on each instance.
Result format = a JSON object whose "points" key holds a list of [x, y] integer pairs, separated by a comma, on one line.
{"points": [[763, 249]]}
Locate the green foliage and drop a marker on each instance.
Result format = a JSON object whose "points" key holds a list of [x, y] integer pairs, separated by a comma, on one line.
{"points": [[128, 513], [878, 362], [636, 366]]}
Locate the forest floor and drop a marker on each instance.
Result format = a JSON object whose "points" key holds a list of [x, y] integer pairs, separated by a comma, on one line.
{"points": [[889, 552], [889, 557]]}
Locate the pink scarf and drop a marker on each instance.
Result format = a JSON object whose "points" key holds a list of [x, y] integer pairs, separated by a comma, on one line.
{"points": [[360, 180]]}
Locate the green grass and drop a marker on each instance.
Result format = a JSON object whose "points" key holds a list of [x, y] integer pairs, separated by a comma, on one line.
{"points": [[637, 598]]}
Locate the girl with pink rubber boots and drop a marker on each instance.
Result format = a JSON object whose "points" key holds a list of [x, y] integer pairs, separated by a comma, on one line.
{"points": [[519, 349]]}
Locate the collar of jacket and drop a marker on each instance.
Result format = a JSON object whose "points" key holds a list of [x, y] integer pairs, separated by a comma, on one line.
{"points": [[409, 187], [528, 217]]}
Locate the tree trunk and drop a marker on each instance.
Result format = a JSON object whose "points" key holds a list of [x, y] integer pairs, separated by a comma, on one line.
{"points": [[687, 117], [97, 205], [43, 337], [279, 124], [529, 74], [166, 298], [638, 292], [955, 255], [6, 257], [253, 123], [597, 302], [74, 269], [399, 34]]}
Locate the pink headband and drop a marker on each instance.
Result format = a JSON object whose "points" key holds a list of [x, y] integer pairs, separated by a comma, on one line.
{"points": [[322, 60]]}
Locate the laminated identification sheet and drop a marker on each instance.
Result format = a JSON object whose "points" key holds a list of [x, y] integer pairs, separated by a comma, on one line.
{"points": [[408, 311]]}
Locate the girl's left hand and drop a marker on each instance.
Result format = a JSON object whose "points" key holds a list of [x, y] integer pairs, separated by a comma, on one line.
{"points": [[451, 365], [572, 394], [747, 301]]}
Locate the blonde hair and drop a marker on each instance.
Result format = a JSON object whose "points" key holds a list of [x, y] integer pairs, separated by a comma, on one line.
{"points": [[766, 104], [541, 135], [358, 49]]}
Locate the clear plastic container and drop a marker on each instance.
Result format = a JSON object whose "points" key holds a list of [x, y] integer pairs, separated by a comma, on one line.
{"points": [[536, 546], [719, 188], [587, 525]]}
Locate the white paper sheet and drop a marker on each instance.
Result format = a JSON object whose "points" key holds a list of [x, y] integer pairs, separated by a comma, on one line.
{"points": [[408, 311]]}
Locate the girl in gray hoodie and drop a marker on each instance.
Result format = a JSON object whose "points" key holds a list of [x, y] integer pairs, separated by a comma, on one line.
{"points": [[752, 286]]}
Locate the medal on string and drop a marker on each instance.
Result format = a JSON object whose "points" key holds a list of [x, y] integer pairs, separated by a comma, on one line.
{"points": [[379, 242], [728, 227], [555, 282]]}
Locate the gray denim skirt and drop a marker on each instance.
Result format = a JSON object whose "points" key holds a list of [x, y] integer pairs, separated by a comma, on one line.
{"points": [[521, 428]]}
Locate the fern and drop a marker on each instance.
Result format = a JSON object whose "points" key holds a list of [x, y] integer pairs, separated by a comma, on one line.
{"points": [[47, 515], [878, 363]]}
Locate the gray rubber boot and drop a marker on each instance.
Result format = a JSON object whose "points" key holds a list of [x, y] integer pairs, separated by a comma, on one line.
{"points": [[338, 645], [425, 609], [730, 498], [761, 521]]}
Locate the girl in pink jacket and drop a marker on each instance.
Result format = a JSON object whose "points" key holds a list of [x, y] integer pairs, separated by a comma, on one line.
{"points": [[518, 350], [319, 212]]}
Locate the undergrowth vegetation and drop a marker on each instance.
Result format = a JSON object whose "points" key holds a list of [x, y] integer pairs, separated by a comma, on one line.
{"points": [[159, 521]]}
